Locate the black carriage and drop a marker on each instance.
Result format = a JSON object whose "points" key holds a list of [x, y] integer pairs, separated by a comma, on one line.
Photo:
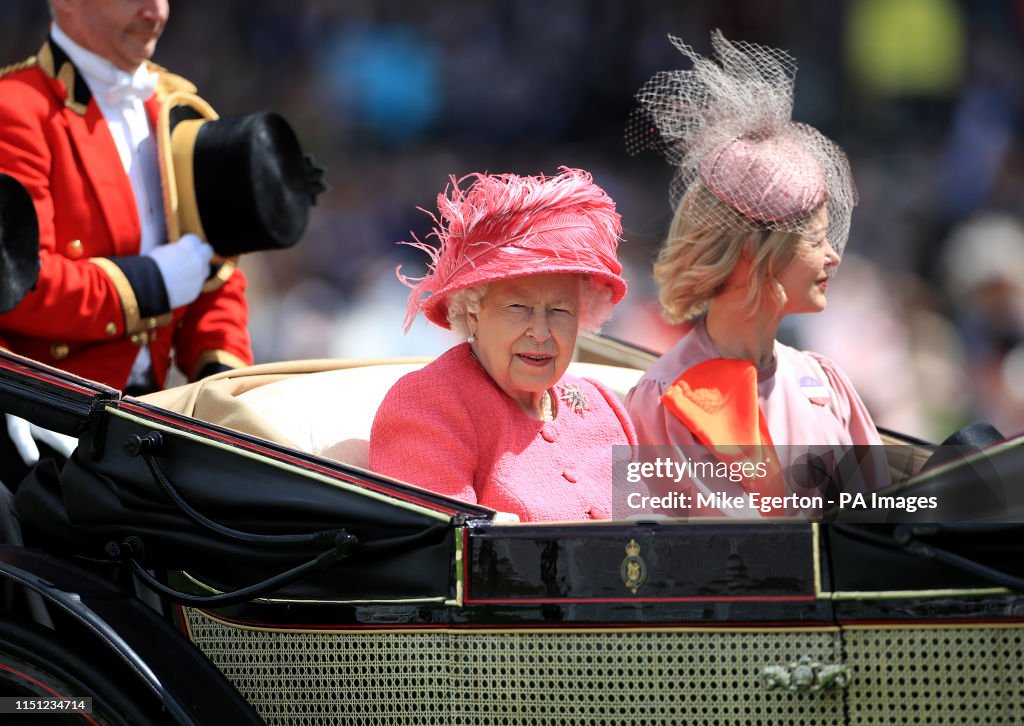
{"points": [[193, 561]]}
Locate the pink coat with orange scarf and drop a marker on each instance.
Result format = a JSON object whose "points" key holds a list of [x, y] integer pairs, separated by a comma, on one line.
{"points": [[805, 398], [800, 404]]}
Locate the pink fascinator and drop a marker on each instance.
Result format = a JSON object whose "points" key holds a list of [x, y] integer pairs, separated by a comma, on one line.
{"points": [[726, 124], [504, 225]]}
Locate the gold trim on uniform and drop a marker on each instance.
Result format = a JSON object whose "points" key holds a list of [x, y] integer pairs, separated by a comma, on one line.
{"points": [[133, 320], [59, 351], [45, 60], [111, 328], [183, 141], [223, 272], [170, 185], [66, 75], [175, 149], [20, 65], [216, 356], [168, 82], [129, 304]]}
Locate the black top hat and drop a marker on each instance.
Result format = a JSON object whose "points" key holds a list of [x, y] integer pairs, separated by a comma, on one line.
{"points": [[240, 182], [19, 242]]}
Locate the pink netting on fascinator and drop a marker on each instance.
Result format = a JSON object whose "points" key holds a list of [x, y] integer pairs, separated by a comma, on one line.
{"points": [[726, 124], [504, 226]]}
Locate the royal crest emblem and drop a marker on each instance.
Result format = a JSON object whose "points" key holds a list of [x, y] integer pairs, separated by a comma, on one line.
{"points": [[633, 570]]}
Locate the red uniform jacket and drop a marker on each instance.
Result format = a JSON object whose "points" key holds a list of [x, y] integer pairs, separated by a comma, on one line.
{"points": [[97, 300]]}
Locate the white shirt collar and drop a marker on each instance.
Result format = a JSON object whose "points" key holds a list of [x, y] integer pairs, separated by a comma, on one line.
{"points": [[103, 76]]}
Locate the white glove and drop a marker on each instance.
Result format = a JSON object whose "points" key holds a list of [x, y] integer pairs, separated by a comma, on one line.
{"points": [[24, 436], [184, 266]]}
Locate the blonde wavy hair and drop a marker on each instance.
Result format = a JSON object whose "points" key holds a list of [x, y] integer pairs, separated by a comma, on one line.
{"points": [[696, 259]]}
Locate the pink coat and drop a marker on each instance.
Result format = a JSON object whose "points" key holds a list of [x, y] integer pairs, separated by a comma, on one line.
{"points": [[806, 399], [809, 405], [450, 429]]}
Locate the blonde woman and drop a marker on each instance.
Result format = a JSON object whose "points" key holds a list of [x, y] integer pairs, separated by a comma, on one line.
{"points": [[758, 232]]}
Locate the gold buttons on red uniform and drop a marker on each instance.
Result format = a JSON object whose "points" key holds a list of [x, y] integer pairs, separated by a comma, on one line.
{"points": [[74, 249], [59, 351]]}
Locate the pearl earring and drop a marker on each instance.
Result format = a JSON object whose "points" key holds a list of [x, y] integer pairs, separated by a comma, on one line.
{"points": [[471, 338]]}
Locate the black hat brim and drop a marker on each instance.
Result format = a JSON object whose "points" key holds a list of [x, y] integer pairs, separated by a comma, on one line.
{"points": [[239, 182], [19, 242], [250, 183]]}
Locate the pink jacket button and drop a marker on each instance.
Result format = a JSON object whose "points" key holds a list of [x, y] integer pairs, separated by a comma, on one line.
{"points": [[570, 476], [548, 433]]}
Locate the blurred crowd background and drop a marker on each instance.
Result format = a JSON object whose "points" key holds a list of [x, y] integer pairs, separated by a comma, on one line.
{"points": [[927, 97]]}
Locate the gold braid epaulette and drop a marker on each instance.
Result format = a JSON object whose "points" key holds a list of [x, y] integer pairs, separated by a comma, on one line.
{"points": [[169, 82], [20, 65]]}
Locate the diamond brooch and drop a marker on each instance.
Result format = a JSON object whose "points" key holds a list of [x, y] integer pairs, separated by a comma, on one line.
{"points": [[574, 398]]}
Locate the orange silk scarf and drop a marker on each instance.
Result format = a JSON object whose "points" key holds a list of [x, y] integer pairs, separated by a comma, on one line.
{"points": [[717, 401]]}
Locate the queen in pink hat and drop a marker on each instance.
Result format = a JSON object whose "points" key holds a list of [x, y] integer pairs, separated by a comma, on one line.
{"points": [[521, 266], [762, 213]]}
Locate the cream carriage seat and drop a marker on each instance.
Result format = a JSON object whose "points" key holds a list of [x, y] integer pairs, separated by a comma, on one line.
{"points": [[342, 404], [328, 413], [320, 407]]}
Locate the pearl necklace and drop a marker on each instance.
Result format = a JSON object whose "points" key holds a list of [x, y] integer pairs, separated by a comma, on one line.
{"points": [[546, 408]]}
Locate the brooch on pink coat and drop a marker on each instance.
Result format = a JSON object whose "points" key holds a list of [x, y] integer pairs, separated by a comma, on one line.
{"points": [[574, 398]]}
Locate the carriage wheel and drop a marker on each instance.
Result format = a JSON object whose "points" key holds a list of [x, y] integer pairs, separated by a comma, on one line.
{"points": [[38, 662]]}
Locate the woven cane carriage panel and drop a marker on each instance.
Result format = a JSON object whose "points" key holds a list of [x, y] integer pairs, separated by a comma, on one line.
{"points": [[476, 678], [938, 676]]}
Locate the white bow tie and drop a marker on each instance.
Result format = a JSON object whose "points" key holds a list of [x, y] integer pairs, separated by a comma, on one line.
{"points": [[140, 86]]}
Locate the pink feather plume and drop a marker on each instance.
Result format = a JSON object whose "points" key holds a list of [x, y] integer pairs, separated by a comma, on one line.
{"points": [[562, 217]]}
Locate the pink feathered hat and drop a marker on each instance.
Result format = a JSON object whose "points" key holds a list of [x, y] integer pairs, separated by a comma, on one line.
{"points": [[505, 226]]}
